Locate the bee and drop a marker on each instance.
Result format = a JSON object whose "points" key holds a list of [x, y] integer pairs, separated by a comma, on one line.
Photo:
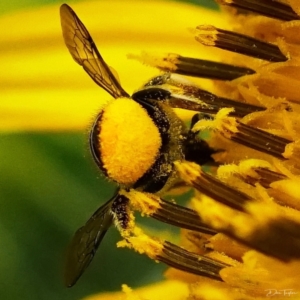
{"points": [[133, 140], [136, 142]]}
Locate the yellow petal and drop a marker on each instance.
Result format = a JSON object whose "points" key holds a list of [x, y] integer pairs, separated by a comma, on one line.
{"points": [[42, 88], [156, 291]]}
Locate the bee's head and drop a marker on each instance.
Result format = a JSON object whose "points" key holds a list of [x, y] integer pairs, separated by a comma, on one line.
{"points": [[124, 141]]}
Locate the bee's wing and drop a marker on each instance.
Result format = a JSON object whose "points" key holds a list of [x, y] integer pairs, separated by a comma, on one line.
{"points": [[86, 54], [86, 241]]}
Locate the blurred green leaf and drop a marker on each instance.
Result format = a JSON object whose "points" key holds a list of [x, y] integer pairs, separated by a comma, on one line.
{"points": [[49, 187]]}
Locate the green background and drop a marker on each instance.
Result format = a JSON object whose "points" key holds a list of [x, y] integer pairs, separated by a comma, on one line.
{"points": [[49, 187]]}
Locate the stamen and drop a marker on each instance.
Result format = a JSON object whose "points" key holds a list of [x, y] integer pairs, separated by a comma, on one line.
{"points": [[171, 254], [206, 102], [251, 171], [258, 225], [260, 140], [245, 134], [269, 8], [193, 67], [165, 211], [266, 177], [184, 260], [279, 237], [228, 40], [286, 193], [275, 237], [191, 97], [212, 187], [209, 69], [182, 217]]}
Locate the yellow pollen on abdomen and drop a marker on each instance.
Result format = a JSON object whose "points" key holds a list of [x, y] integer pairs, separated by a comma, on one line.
{"points": [[129, 140]]}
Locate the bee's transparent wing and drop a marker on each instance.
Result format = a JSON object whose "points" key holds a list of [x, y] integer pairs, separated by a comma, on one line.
{"points": [[86, 54], [86, 241]]}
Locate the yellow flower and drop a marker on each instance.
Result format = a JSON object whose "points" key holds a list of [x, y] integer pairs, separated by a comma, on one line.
{"points": [[252, 203]]}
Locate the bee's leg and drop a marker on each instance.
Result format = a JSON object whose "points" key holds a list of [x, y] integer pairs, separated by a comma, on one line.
{"points": [[160, 250], [121, 212], [196, 149]]}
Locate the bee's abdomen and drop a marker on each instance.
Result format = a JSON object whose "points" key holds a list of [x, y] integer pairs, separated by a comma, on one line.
{"points": [[128, 141]]}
